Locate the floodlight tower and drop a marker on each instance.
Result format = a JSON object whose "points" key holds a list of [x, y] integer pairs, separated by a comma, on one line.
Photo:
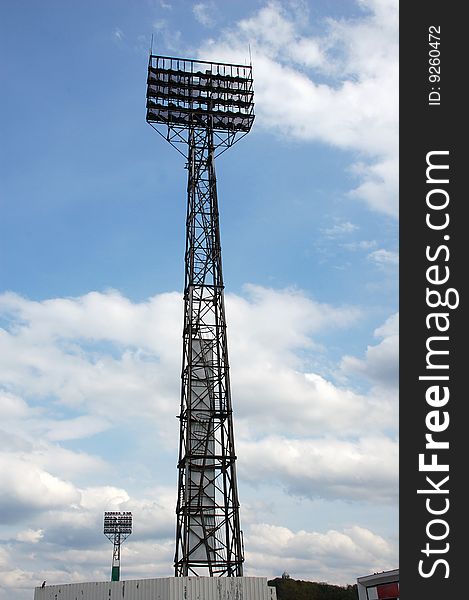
{"points": [[117, 528], [201, 108]]}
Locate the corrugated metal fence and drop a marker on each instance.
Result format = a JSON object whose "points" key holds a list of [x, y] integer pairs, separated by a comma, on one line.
{"points": [[164, 588]]}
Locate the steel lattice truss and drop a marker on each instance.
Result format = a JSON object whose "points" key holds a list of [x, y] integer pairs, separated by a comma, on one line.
{"points": [[205, 106]]}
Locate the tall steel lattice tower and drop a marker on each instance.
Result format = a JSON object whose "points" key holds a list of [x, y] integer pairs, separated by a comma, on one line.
{"points": [[202, 108]]}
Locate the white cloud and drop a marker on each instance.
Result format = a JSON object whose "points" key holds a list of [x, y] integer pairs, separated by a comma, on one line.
{"points": [[334, 555], [15, 580], [267, 323], [380, 184], [384, 257], [381, 362], [12, 406], [3, 557], [361, 245], [171, 37], [32, 536], [204, 13], [76, 367], [114, 361], [339, 88], [18, 477], [389, 328], [110, 359], [77, 428], [340, 229], [96, 353], [363, 470], [274, 399], [271, 341]]}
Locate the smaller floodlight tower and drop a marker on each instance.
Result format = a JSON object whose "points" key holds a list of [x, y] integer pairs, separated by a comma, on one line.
{"points": [[117, 528]]}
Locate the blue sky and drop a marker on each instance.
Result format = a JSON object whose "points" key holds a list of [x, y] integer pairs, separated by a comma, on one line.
{"points": [[91, 271]]}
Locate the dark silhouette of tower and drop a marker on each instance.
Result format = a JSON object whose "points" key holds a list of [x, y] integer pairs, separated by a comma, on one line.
{"points": [[202, 108]]}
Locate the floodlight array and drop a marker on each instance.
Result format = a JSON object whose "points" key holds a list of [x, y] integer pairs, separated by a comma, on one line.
{"points": [[189, 93], [117, 522]]}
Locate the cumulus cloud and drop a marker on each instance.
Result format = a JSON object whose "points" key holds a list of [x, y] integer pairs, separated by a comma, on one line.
{"points": [[153, 509], [381, 361], [268, 323], [360, 245], [96, 353], [384, 257], [30, 535], [277, 399], [70, 545], [339, 88], [330, 556], [204, 13], [80, 367], [18, 477], [325, 468], [339, 229], [112, 361]]}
